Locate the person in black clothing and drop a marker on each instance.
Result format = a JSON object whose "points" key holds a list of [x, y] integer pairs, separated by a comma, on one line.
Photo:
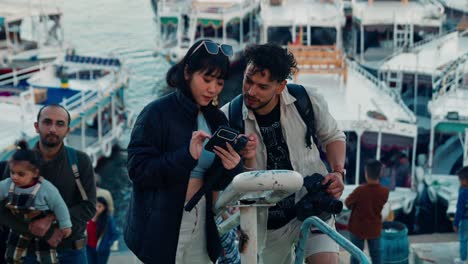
{"points": [[53, 126], [167, 163]]}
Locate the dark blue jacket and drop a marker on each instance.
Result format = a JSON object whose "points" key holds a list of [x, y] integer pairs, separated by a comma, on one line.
{"points": [[462, 206], [159, 165], [108, 237]]}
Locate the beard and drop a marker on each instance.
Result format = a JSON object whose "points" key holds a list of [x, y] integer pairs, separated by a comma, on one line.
{"points": [[51, 141], [258, 106]]}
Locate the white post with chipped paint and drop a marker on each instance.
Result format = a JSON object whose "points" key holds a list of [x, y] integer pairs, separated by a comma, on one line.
{"points": [[248, 223], [256, 190]]}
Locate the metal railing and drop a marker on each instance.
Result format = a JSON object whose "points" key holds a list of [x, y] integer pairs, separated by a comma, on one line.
{"points": [[382, 87], [16, 76], [417, 45], [327, 230], [450, 76]]}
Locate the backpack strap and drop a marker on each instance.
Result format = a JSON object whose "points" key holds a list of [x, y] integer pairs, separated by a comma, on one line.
{"points": [[236, 119], [73, 161], [305, 109], [302, 103]]}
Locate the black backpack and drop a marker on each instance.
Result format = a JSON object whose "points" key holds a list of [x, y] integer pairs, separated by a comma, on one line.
{"points": [[302, 103]]}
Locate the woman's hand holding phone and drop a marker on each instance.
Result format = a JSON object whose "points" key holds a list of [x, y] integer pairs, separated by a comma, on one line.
{"points": [[196, 143], [229, 157]]}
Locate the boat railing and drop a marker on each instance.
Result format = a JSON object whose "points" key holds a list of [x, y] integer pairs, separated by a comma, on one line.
{"points": [[80, 100], [417, 45], [382, 87], [16, 76], [165, 7], [211, 9], [450, 77], [396, 17]]}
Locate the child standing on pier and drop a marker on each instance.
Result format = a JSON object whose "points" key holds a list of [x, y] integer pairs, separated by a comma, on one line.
{"points": [[460, 223], [366, 203]]}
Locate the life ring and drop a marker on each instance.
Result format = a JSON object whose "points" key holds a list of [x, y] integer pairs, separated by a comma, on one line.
{"points": [[93, 158], [432, 194], [408, 206], [106, 149], [118, 133]]}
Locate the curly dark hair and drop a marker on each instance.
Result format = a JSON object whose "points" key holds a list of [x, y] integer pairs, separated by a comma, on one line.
{"points": [[277, 60]]}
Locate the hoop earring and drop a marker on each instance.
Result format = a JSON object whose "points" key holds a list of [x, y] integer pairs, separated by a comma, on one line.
{"points": [[215, 101]]}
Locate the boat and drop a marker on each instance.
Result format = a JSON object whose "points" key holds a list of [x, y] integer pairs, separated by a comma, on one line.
{"points": [[181, 23], [381, 27], [414, 73], [91, 88], [30, 33], [376, 121], [449, 123], [306, 22]]}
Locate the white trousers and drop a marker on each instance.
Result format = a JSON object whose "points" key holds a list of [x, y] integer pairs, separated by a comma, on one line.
{"points": [[280, 243], [192, 236]]}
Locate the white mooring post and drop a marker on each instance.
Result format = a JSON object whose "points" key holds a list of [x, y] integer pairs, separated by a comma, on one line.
{"points": [[256, 190]]}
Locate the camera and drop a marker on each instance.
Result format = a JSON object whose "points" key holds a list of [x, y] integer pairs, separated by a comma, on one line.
{"points": [[317, 202], [226, 134]]}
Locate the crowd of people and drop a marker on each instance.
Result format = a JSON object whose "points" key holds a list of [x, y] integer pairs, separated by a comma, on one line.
{"points": [[54, 213]]}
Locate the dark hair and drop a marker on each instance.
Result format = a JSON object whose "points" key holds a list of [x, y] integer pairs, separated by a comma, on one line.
{"points": [[373, 169], [463, 173], [201, 60], [277, 60], [54, 105], [23, 153], [101, 221]]}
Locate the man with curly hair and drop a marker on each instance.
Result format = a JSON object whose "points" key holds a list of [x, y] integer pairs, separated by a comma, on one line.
{"points": [[277, 140]]}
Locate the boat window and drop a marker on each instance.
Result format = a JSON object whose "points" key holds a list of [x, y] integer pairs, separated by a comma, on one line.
{"points": [[279, 35], [322, 36], [87, 74]]}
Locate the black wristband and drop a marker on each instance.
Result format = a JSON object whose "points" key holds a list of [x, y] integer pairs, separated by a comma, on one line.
{"points": [[49, 233]]}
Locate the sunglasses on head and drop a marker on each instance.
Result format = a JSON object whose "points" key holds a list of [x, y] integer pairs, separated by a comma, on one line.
{"points": [[213, 48]]}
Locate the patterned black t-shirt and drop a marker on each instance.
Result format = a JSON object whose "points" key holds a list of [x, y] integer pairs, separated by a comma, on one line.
{"points": [[277, 159]]}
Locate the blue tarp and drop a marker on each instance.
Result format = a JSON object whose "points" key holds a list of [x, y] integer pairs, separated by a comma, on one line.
{"points": [[56, 95], [2, 21], [93, 60]]}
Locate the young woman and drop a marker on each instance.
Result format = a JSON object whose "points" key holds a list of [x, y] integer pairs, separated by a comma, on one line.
{"points": [[168, 164], [101, 233]]}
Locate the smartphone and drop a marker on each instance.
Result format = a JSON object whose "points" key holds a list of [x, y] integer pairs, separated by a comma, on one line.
{"points": [[222, 135]]}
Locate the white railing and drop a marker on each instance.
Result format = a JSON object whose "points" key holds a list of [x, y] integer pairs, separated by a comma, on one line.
{"points": [[80, 100], [247, 4], [16, 76], [417, 45], [450, 77], [382, 87]]}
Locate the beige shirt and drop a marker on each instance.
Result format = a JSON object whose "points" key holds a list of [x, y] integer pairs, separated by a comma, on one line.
{"points": [[303, 160]]}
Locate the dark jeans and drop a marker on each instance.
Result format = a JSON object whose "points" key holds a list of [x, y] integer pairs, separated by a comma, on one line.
{"points": [[374, 249], [95, 257], [69, 256]]}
